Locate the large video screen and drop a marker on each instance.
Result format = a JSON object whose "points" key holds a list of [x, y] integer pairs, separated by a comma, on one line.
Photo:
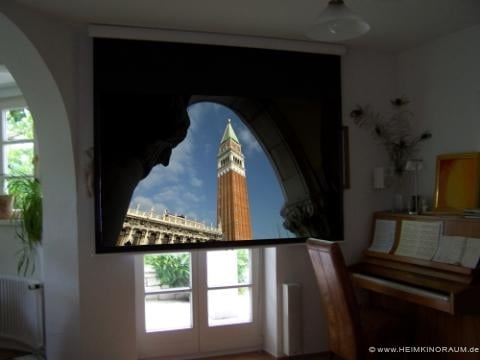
{"points": [[179, 159]]}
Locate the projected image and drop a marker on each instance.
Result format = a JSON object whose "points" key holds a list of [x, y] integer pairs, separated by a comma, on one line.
{"points": [[205, 193], [176, 165]]}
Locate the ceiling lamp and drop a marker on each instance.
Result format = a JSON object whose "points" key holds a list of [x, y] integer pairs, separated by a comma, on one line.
{"points": [[336, 23]]}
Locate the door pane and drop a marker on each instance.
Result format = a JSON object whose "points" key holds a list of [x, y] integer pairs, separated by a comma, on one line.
{"points": [[167, 271], [172, 311], [229, 306], [166, 309], [228, 267]]}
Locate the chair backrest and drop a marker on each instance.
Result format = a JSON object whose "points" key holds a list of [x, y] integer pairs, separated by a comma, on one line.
{"points": [[341, 307]]}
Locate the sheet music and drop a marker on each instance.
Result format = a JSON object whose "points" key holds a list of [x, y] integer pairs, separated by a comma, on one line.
{"points": [[450, 249], [384, 236], [471, 253], [419, 239]]}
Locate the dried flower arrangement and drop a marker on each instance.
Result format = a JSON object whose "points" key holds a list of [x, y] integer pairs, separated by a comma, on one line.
{"points": [[394, 133]]}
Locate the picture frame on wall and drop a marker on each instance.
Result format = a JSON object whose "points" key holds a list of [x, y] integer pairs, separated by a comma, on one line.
{"points": [[457, 182]]}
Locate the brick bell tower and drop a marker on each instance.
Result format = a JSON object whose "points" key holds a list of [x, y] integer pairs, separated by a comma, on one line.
{"points": [[233, 211]]}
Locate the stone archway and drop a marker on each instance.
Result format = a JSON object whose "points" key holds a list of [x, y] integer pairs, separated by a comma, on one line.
{"points": [[57, 173], [301, 211]]}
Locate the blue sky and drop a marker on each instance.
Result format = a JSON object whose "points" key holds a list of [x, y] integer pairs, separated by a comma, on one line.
{"points": [[188, 185]]}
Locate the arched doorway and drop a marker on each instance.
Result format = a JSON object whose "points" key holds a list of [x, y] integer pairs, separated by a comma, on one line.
{"points": [[57, 175]]}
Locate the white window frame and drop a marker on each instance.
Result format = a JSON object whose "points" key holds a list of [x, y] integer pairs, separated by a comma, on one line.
{"points": [[5, 105]]}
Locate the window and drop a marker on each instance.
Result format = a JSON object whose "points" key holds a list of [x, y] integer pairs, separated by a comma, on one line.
{"points": [[17, 150], [168, 292], [229, 287]]}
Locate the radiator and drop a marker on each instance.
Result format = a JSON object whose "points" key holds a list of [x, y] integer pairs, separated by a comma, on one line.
{"points": [[21, 313]]}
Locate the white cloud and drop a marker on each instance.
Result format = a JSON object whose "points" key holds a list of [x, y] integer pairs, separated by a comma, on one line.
{"points": [[248, 141], [181, 162], [200, 111], [146, 204], [191, 197], [196, 113], [196, 182]]}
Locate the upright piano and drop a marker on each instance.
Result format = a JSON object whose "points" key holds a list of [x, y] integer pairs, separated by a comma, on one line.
{"points": [[436, 273]]}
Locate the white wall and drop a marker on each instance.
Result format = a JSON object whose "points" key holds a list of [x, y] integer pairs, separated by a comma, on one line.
{"points": [[10, 244], [294, 267], [442, 79], [107, 283], [8, 247], [368, 77]]}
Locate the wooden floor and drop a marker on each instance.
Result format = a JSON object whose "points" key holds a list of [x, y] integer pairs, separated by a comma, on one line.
{"points": [[260, 355], [10, 354]]}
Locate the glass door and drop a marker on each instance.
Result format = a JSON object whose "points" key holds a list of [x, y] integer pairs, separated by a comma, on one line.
{"points": [[231, 316], [166, 304], [197, 302]]}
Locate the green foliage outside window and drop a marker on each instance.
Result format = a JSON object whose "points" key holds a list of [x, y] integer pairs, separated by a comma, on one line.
{"points": [[19, 124], [19, 156], [242, 265], [20, 159], [171, 270]]}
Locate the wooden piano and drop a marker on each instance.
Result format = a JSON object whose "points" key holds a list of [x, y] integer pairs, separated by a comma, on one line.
{"points": [[446, 287], [440, 300]]}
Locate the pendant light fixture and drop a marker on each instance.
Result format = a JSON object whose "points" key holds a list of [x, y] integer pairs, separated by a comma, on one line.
{"points": [[336, 23]]}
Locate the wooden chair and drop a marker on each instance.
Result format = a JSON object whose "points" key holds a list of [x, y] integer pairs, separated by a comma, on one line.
{"points": [[349, 332]]}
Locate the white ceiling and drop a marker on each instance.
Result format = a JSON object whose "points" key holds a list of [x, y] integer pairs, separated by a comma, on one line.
{"points": [[6, 78], [396, 25], [8, 86]]}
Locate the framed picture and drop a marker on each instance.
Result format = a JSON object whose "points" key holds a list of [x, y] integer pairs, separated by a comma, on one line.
{"points": [[457, 182]]}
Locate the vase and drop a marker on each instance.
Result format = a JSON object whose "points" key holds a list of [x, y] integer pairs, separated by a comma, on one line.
{"points": [[398, 197], [398, 203], [6, 202]]}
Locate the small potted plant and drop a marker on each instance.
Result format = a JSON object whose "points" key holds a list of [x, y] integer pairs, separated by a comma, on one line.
{"points": [[6, 201], [28, 200], [394, 133]]}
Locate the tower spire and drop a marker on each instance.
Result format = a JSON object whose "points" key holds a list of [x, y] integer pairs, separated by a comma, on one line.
{"points": [[229, 133]]}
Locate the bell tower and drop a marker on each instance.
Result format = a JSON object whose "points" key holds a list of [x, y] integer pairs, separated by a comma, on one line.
{"points": [[233, 211]]}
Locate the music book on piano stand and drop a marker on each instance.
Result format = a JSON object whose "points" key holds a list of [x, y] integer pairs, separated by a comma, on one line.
{"points": [[384, 236], [471, 253], [419, 239], [450, 249], [458, 250]]}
